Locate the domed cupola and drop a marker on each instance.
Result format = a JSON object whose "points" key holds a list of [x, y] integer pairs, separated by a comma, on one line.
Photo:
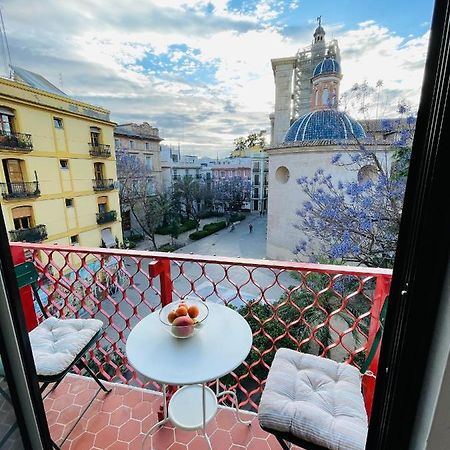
{"points": [[326, 67], [325, 82], [324, 125]]}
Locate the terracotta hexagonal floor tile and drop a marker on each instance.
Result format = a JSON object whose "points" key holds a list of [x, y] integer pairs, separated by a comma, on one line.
{"points": [[56, 431], [52, 416], [83, 442], [136, 443], [257, 431], [75, 385], [141, 410], [225, 419], [183, 436], [241, 434], [119, 446], [106, 437], [111, 402], [98, 422], [198, 443], [80, 428], [63, 401], [120, 415], [221, 440], [83, 397], [132, 398], [162, 439], [129, 430], [178, 446], [69, 414], [258, 444]]}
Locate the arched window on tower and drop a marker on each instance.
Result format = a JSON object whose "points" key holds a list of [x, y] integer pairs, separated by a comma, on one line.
{"points": [[316, 102], [325, 97]]}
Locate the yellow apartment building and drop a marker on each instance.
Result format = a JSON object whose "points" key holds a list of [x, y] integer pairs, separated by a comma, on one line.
{"points": [[58, 178]]}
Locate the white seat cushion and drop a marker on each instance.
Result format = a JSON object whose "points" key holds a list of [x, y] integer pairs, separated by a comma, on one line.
{"points": [[56, 342], [315, 399]]}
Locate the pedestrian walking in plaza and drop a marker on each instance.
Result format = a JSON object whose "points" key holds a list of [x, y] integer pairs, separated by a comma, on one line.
{"points": [[260, 212], [250, 227]]}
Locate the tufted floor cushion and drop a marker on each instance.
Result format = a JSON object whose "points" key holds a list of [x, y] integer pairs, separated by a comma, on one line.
{"points": [[56, 342], [315, 399]]}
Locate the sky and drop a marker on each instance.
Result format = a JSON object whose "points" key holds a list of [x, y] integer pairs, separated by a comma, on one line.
{"points": [[200, 70]]}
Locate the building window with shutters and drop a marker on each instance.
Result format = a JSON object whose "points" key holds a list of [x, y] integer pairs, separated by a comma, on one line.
{"points": [[148, 162], [22, 217], [6, 121], [102, 203], [95, 136]]}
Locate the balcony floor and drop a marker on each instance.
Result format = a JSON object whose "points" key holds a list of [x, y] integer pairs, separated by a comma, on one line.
{"points": [[120, 419]]}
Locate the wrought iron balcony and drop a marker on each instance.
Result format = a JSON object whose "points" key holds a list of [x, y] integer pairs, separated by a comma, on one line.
{"points": [[103, 184], [19, 190], [99, 150], [107, 216], [331, 311], [33, 234], [15, 142]]}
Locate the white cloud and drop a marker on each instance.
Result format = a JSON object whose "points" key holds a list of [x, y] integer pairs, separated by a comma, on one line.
{"points": [[99, 47]]}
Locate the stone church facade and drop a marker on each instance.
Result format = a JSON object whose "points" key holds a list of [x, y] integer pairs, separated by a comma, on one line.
{"points": [[292, 76], [307, 130]]}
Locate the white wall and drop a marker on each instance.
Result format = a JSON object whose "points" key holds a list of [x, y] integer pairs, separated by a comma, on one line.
{"points": [[285, 199]]}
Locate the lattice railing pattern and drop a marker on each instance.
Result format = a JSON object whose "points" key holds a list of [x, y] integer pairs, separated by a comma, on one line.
{"points": [[331, 311]]}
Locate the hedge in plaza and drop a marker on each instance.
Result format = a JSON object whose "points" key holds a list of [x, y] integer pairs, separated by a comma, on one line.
{"points": [[209, 228], [186, 226]]}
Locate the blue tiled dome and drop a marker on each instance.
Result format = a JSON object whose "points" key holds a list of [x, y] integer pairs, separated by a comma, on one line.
{"points": [[328, 65], [328, 124]]}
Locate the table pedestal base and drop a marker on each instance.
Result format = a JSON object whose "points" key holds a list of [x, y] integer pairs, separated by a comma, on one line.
{"points": [[191, 408]]}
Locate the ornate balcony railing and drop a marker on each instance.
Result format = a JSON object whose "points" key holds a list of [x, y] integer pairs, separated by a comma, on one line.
{"points": [[107, 216], [99, 150], [33, 234], [15, 141], [18, 190], [103, 184], [331, 311]]}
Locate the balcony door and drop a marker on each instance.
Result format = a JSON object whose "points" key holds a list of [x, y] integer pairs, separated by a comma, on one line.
{"points": [[13, 174], [95, 136], [98, 171]]}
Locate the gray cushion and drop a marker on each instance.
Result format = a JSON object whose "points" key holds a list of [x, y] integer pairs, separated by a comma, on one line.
{"points": [[55, 342], [316, 399]]}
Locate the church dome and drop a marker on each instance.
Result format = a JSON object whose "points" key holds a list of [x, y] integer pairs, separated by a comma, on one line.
{"points": [[328, 124], [328, 65]]}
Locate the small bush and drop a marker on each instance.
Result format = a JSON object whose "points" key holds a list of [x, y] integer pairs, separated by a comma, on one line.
{"points": [[169, 247], [128, 244], [186, 226], [199, 235], [214, 226], [208, 229], [209, 213], [135, 237], [237, 217]]}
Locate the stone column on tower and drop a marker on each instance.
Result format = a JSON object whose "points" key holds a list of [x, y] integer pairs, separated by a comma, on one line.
{"points": [[283, 71]]}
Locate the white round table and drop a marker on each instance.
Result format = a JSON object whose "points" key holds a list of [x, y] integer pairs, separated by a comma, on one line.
{"points": [[219, 346]]}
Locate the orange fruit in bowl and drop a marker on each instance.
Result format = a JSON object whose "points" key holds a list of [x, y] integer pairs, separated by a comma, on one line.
{"points": [[193, 311], [171, 316], [181, 311]]}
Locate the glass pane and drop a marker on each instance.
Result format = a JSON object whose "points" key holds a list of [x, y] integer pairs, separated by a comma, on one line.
{"points": [[9, 433]]}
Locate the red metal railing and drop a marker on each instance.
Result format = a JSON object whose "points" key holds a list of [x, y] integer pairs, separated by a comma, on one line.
{"points": [[331, 311]]}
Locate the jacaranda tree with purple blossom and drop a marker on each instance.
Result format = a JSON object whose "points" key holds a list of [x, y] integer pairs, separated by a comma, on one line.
{"points": [[357, 221]]}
